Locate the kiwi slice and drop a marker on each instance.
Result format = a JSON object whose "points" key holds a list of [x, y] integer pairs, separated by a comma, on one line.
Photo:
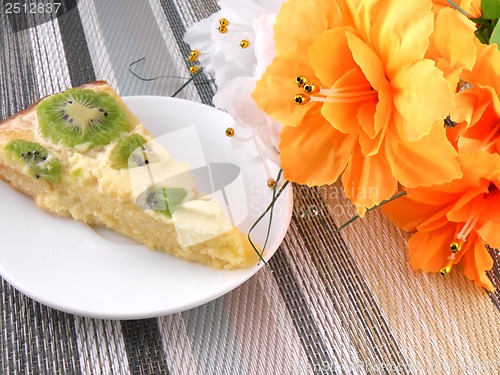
{"points": [[79, 116], [133, 145], [161, 199], [36, 158]]}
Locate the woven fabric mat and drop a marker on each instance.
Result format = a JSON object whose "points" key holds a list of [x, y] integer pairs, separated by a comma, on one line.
{"points": [[344, 303]]}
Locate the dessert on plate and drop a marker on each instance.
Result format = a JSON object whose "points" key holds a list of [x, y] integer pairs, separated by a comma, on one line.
{"points": [[83, 154]]}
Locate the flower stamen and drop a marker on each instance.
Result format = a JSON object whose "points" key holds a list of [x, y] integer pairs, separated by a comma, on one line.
{"points": [[468, 227], [460, 238], [446, 269], [193, 55], [490, 139], [225, 26], [456, 246], [349, 94], [301, 81]]}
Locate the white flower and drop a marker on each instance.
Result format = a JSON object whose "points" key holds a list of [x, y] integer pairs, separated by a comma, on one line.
{"points": [[256, 134], [249, 24]]}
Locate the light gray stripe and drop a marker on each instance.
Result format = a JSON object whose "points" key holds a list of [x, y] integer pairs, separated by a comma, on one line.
{"points": [[129, 32], [204, 86], [181, 357], [266, 326], [211, 338], [367, 326], [302, 316], [18, 87], [101, 346]]}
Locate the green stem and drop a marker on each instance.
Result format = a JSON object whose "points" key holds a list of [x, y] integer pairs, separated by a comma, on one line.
{"points": [[270, 207], [457, 7], [354, 218]]}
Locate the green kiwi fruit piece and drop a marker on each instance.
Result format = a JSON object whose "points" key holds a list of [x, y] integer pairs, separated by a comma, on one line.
{"points": [[36, 158], [161, 199], [120, 155], [79, 116]]}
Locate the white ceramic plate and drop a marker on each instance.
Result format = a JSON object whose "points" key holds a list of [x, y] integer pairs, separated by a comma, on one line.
{"points": [[91, 272]]}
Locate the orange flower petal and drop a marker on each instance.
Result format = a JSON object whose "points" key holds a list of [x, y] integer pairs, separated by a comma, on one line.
{"points": [[373, 70], [435, 221], [362, 12], [481, 165], [368, 61], [438, 195], [408, 214], [486, 71], [457, 47], [422, 97], [366, 119], [429, 251], [493, 200], [490, 233], [470, 203], [476, 261], [431, 160], [325, 54], [314, 153], [275, 91], [400, 33], [298, 23], [368, 180], [344, 116]]}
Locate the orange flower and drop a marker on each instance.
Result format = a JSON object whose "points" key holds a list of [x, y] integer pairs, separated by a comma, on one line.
{"points": [[454, 221], [452, 51], [477, 113], [369, 81]]}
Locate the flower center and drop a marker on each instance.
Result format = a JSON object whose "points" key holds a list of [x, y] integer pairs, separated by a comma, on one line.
{"points": [[348, 94]]}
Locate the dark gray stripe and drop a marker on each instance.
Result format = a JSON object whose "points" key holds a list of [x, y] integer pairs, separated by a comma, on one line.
{"points": [[143, 347], [80, 66], [204, 87], [38, 339], [368, 330], [494, 275], [313, 344]]}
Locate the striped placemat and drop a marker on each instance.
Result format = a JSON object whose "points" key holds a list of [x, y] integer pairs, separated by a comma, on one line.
{"points": [[328, 303]]}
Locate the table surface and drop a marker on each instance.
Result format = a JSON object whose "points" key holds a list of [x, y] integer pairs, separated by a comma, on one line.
{"points": [[328, 303]]}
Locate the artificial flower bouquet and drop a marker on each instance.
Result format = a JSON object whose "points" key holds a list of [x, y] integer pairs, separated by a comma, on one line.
{"points": [[390, 96]]}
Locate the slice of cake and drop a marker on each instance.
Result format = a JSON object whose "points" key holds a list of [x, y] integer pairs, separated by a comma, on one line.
{"points": [[83, 154]]}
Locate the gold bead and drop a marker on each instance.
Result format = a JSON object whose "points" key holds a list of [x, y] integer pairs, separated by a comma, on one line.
{"points": [[193, 69], [193, 55], [271, 183], [301, 81], [455, 247], [223, 22], [446, 269], [222, 29], [229, 132], [311, 88], [244, 43], [301, 99]]}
